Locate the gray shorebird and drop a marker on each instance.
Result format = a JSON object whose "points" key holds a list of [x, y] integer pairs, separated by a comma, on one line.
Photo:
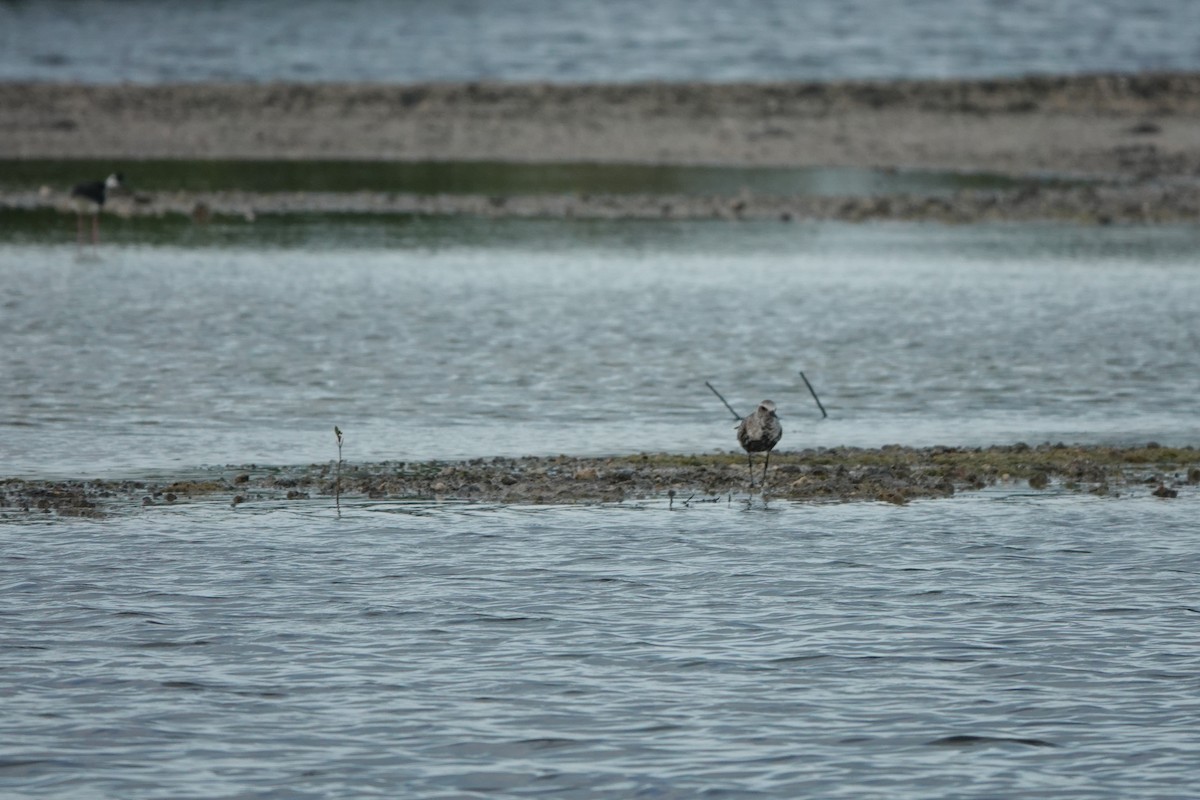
{"points": [[759, 433], [89, 198]]}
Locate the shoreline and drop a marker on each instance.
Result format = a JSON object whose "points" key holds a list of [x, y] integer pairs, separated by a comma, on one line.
{"points": [[1088, 205], [891, 474], [1134, 138], [1128, 125]]}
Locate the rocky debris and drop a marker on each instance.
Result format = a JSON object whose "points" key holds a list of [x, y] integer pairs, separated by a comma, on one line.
{"points": [[63, 499]]}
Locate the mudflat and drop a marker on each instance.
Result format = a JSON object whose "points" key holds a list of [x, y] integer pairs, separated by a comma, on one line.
{"points": [[1137, 137], [1095, 124], [845, 474]]}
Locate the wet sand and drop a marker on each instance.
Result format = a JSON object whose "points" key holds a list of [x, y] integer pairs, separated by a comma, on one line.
{"points": [[890, 474], [1093, 204], [1137, 137], [1114, 125]]}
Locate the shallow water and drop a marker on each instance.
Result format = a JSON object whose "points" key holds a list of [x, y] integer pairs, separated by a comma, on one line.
{"points": [[995, 645], [112, 41], [474, 177], [999, 643], [453, 338]]}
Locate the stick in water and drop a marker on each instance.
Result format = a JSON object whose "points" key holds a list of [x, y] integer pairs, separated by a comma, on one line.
{"points": [[814, 394], [736, 415], [337, 480]]}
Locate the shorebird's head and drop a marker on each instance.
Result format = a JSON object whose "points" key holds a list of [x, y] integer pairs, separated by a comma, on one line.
{"points": [[767, 407], [114, 181]]}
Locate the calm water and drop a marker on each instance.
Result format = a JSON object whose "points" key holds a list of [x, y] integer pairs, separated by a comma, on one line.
{"points": [[460, 339], [1007, 643], [994, 646], [499, 178], [618, 40]]}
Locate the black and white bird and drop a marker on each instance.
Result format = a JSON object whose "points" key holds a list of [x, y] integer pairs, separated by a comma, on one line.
{"points": [[759, 433], [89, 198]]}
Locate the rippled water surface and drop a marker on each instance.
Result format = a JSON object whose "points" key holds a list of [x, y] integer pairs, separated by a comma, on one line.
{"points": [[617, 40], [997, 644], [463, 339], [985, 646]]}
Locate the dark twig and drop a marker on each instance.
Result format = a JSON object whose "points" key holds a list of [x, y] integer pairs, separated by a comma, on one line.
{"points": [[813, 391], [337, 480], [736, 415]]}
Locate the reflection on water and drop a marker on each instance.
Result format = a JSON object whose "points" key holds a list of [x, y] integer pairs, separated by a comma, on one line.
{"points": [[984, 647], [460, 338]]}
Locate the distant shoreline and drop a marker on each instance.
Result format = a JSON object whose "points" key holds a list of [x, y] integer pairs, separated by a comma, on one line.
{"points": [[1100, 205], [1091, 124], [1136, 136], [843, 474]]}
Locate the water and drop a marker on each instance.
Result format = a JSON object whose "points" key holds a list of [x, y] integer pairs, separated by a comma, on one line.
{"points": [[1000, 643], [449, 339], [498, 178], [143, 41], [986, 646]]}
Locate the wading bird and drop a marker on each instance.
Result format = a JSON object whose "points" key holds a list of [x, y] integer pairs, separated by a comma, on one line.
{"points": [[759, 433], [89, 198]]}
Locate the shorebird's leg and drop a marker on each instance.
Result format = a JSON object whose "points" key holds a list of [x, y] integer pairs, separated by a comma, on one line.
{"points": [[767, 464], [750, 460]]}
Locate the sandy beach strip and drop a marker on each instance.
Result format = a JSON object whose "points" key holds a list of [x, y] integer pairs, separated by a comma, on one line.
{"points": [[1095, 124], [891, 474]]}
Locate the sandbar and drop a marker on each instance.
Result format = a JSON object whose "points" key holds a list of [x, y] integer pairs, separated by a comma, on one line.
{"points": [[891, 474]]}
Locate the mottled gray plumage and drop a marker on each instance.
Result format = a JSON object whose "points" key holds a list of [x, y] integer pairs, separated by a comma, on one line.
{"points": [[759, 433]]}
